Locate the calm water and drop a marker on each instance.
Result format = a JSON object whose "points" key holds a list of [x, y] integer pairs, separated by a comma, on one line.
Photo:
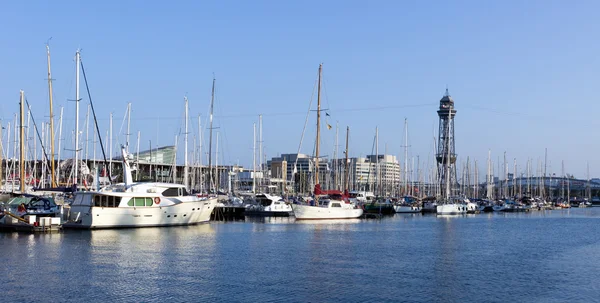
{"points": [[551, 256]]}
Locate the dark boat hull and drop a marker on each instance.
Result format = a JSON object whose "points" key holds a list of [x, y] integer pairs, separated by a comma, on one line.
{"points": [[386, 209]]}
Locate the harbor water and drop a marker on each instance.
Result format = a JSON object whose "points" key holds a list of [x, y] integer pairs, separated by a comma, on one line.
{"points": [[540, 256]]}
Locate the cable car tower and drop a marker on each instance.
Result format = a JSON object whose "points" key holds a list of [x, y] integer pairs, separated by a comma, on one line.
{"points": [[446, 155]]}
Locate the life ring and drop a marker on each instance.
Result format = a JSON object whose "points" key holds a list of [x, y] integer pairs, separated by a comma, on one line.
{"points": [[156, 200]]}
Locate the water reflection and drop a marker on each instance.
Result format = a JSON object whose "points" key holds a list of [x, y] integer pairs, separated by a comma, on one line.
{"points": [[414, 257]]}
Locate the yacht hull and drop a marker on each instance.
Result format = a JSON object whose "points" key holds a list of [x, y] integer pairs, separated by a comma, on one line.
{"points": [[187, 213], [307, 212], [451, 209], [403, 209]]}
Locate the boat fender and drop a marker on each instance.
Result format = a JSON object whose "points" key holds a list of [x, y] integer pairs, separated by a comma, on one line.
{"points": [[157, 200]]}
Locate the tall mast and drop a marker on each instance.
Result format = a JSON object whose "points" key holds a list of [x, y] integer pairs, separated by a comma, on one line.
{"points": [[347, 175], [76, 163], [185, 149], [22, 144], [544, 177], [7, 167], [562, 190], [260, 151], [405, 156], [60, 123], [15, 143], [110, 145], [52, 176], [200, 155], [212, 104], [589, 191], [476, 183], [217, 180], [254, 158], [514, 180], [137, 157], [87, 132], [128, 125], [174, 168], [335, 158], [318, 129], [377, 185]]}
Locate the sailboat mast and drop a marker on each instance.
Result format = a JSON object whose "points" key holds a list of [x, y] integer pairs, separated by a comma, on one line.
{"points": [[137, 157], [76, 162], [514, 179], [377, 185], [52, 176], [87, 132], [110, 145], [335, 158], [347, 172], [217, 180], [212, 103], [128, 125], [254, 158], [60, 123], [318, 127], [22, 144], [185, 149], [405, 156], [200, 155], [260, 151]]}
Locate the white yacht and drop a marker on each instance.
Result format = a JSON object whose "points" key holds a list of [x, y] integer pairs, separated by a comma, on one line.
{"points": [[141, 204], [454, 206], [408, 205], [429, 205], [361, 197], [472, 208], [269, 206], [327, 208]]}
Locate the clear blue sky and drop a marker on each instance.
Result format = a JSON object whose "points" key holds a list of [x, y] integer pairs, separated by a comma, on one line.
{"points": [[523, 74]]}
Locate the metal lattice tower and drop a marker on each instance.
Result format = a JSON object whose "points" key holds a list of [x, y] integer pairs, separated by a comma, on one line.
{"points": [[446, 155]]}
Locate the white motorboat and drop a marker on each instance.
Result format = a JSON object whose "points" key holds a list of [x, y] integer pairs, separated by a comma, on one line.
{"points": [[269, 206], [407, 208], [363, 197], [407, 205], [141, 204], [511, 207], [472, 208], [454, 206]]}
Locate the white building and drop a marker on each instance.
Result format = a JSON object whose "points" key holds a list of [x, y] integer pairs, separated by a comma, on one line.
{"points": [[377, 173]]}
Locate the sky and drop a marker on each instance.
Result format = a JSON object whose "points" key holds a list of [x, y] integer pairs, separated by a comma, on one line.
{"points": [[522, 74]]}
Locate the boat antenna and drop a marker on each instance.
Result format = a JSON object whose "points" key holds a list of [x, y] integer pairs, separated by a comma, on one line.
{"points": [[95, 120]]}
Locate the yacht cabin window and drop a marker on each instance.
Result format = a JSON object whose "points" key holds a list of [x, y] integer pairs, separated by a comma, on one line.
{"points": [[140, 202], [106, 201]]}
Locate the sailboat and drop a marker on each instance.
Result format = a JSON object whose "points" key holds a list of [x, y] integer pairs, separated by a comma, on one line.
{"points": [[326, 204]]}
